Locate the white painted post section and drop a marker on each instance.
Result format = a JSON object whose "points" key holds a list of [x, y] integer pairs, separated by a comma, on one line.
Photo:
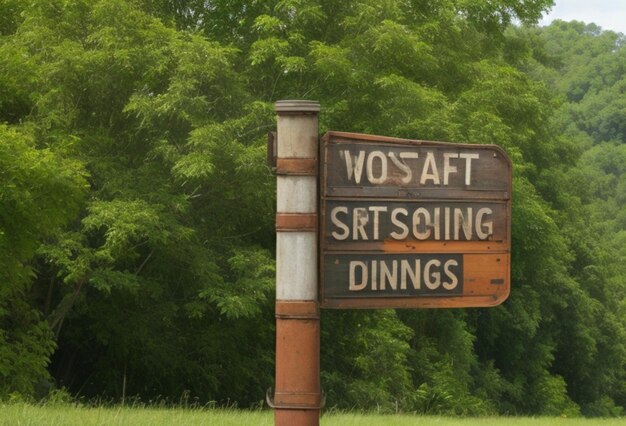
{"points": [[296, 252], [297, 398]]}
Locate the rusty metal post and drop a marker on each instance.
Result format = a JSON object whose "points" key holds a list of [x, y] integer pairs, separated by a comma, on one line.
{"points": [[297, 397]]}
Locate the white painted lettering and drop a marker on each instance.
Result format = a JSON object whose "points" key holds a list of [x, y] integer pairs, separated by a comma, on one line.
{"points": [[446, 220], [429, 172], [374, 272], [454, 281], [432, 279], [461, 221], [468, 165], [354, 165], [377, 180], [447, 167], [389, 275], [339, 224], [480, 224], [353, 285], [408, 175], [376, 210], [416, 223], [404, 230], [360, 218], [414, 274]]}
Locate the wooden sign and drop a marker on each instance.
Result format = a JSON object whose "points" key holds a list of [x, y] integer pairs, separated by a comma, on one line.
{"points": [[408, 223]]}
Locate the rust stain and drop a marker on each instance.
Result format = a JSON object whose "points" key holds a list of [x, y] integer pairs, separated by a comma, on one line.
{"points": [[298, 397], [394, 246], [464, 301], [296, 166], [296, 222], [297, 309], [296, 417]]}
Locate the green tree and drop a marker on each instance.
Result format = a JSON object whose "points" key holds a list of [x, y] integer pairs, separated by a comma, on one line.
{"points": [[160, 120], [161, 284], [39, 192], [583, 64]]}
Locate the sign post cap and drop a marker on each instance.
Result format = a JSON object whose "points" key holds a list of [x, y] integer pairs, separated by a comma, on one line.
{"points": [[295, 106]]}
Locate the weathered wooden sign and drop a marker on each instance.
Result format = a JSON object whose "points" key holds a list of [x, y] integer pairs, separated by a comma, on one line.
{"points": [[408, 223]]}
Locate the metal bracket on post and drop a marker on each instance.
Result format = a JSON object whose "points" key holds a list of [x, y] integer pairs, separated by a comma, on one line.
{"points": [[295, 401], [272, 151]]}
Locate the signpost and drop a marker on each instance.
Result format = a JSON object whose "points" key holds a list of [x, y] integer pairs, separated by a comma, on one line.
{"points": [[398, 224], [413, 224], [297, 398]]}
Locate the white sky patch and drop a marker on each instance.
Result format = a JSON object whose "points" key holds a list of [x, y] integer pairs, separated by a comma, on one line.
{"points": [[609, 14]]}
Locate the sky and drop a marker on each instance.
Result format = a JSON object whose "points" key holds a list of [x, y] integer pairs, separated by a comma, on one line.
{"points": [[609, 14]]}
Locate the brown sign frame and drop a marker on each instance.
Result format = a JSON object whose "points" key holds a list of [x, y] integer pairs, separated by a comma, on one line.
{"points": [[485, 264]]}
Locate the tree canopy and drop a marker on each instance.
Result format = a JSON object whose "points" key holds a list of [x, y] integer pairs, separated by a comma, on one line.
{"points": [[137, 219]]}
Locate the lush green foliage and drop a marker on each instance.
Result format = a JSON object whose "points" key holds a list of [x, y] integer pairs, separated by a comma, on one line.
{"points": [[39, 191], [136, 234], [585, 66]]}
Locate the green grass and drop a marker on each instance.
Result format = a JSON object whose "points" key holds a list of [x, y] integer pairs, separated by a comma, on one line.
{"points": [[407, 420], [26, 414]]}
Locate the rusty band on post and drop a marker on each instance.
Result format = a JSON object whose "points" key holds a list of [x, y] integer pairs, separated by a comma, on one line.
{"points": [[296, 166], [295, 400], [296, 222], [304, 309]]}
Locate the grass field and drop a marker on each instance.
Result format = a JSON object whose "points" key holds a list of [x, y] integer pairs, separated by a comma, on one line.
{"points": [[25, 414]]}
